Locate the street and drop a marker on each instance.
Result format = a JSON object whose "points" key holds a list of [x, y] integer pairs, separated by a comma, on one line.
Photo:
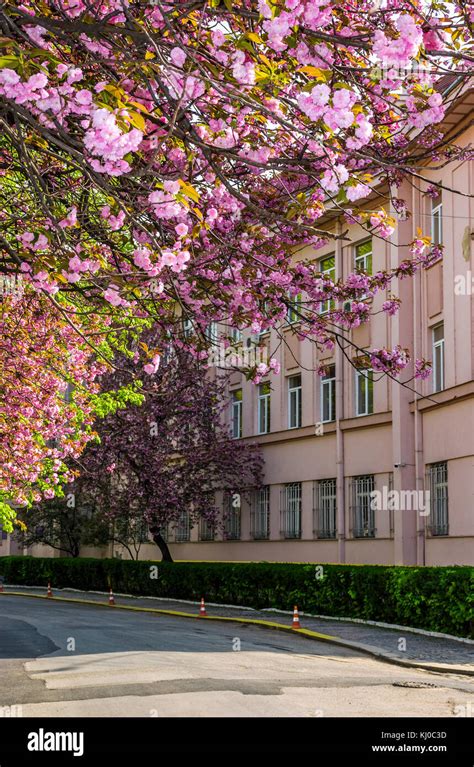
{"points": [[72, 660]]}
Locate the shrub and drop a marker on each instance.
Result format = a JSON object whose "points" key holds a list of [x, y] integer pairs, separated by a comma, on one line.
{"points": [[432, 598]]}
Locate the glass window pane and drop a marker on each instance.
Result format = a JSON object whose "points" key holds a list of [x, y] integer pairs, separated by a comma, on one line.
{"points": [[363, 257]]}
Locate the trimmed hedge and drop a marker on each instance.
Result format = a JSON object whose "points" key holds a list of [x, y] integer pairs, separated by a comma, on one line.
{"points": [[432, 598]]}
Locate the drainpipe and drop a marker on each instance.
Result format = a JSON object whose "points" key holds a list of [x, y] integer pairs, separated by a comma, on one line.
{"points": [[418, 325], [340, 485]]}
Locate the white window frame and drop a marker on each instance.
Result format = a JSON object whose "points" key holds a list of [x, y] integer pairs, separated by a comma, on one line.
{"points": [[438, 365], [328, 382], [363, 258], [368, 406], [212, 332], [188, 327], [328, 305], [236, 411], [235, 335], [437, 223], [295, 392], [263, 409], [295, 302]]}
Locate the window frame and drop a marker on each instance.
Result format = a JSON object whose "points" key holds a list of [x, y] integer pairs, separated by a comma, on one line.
{"points": [[364, 256], [363, 515], [438, 369], [263, 408], [235, 335], [439, 505], [437, 221], [260, 514], [291, 510], [297, 392], [329, 304], [182, 529], [292, 316], [369, 391], [188, 327], [328, 382], [236, 413], [325, 508], [233, 517]]}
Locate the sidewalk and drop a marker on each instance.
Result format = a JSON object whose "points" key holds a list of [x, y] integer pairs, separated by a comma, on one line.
{"points": [[436, 653]]}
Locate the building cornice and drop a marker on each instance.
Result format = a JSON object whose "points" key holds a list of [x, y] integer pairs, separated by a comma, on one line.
{"points": [[444, 398]]}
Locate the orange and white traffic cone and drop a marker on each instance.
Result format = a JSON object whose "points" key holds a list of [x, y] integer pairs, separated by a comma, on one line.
{"points": [[50, 591], [296, 619], [111, 599], [202, 609]]}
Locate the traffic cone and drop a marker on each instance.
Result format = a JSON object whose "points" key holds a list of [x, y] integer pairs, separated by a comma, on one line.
{"points": [[111, 598], [50, 591], [296, 619], [202, 609]]}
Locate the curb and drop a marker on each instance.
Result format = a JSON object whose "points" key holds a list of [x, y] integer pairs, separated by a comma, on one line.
{"points": [[374, 652], [357, 621]]}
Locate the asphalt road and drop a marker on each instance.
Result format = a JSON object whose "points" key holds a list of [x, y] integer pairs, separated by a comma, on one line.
{"points": [[71, 660]]}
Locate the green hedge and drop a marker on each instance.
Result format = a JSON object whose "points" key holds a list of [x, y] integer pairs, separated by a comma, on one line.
{"points": [[432, 598]]}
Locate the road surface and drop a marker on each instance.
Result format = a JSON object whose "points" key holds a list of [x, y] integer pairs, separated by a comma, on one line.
{"points": [[72, 660]]}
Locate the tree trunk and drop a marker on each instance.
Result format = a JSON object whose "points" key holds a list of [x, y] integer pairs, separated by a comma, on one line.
{"points": [[161, 543]]}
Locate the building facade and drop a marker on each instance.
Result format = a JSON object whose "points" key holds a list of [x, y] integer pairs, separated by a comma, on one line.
{"points": [[359, 468]]}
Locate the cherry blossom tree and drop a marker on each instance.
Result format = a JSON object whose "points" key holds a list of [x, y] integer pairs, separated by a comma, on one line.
{"points": [[163, 461], [42, 424], [50, 398], [158, 154], [162, 160]]}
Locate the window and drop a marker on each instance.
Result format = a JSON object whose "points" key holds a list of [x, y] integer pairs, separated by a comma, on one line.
{"points": [[207, 531], [291, 510], [237, 413], [235, 335], [362, 512], [328, 395], [437, 221], [182, 529], [438, 481], [232, 504], [212, 333], [260, 514], [294, 309], [364, 386], [438, 357], [187, 327], [324, 507], [294, 402], [328, 267], [264, 408], [363, 258]]}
